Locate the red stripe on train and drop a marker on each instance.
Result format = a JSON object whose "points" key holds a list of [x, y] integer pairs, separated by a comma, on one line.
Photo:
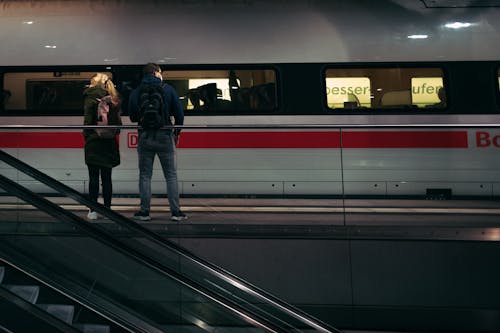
{"points": [[207, 140], [406, 139], [259, 140], [350, 139], [41, 140]]}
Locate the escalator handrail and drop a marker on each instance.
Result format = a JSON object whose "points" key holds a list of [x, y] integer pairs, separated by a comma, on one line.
{"points": [[207, 266]]}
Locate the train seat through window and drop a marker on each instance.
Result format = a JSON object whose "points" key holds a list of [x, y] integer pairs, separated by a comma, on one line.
{"points": [[352, 101], [396, 98]]}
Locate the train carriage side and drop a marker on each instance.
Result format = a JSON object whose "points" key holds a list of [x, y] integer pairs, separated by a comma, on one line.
{"points": [[350, 65], [425, 154], [323, 142]]}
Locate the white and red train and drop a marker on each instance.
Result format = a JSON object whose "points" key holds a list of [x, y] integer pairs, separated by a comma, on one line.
{"points": [[382, 98]]}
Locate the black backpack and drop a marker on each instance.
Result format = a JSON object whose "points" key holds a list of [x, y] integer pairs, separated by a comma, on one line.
{"points": [[151, 107]]}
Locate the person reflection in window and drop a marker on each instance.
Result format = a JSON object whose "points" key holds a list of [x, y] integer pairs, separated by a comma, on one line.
{"points": [[5, 98], [441, 93]]}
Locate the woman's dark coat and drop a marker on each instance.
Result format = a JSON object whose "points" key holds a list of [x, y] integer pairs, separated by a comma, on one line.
{"points": [[98, 151]]}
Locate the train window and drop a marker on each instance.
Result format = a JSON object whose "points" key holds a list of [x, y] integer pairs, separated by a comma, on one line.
{"points": [[224, 90], [498, 74], [385, 88], [45, 92]]}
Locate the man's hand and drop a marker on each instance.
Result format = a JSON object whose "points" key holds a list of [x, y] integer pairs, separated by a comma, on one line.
{"points": [[176, 138]]}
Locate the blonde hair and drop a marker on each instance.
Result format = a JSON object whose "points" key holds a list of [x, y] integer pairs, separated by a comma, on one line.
{"points": [[103, 81]]}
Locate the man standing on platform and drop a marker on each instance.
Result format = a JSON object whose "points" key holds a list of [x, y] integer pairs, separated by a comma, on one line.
{"points": [[152, 104]]}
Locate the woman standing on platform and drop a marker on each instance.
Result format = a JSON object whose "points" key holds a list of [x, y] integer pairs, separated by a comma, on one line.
{"points": [[101, 151]]}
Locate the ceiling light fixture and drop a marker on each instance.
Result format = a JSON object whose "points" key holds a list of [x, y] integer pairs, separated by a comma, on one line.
{"points": [[418, 36], [457, 25]]}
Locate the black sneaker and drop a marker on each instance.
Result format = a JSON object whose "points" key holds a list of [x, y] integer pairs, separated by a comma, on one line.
{"points": [[142, 216], [180, 216]]}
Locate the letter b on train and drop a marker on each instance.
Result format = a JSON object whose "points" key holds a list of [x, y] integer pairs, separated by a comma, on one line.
{"points": [[486, 139]]}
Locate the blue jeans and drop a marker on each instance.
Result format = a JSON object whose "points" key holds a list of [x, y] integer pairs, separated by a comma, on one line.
{"points": [[159, 143]]}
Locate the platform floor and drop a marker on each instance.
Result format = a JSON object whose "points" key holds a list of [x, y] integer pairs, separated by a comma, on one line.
{"points": [[328, 218]]}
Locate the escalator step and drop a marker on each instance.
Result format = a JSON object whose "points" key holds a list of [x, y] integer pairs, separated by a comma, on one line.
{"points": [[92, 328], [29, 293], [61, 311]]}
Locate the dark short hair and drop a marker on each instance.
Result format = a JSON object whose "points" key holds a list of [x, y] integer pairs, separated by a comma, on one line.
{"points": [[150, 69]]}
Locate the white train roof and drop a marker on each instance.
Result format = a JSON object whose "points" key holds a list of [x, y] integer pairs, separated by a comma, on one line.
{"points": [[246, 31]]}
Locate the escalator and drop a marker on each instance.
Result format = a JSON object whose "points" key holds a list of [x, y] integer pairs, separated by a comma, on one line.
{"points": [[140, 282], [43, 308]]}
